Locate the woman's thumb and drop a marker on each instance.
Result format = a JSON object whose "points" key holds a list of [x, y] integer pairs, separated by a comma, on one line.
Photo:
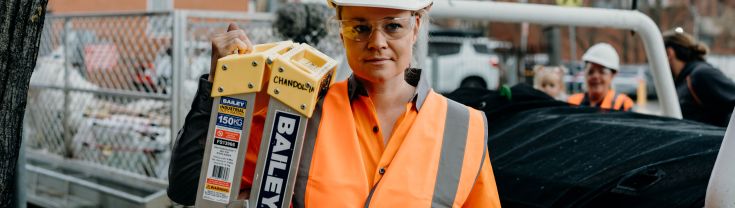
{"points": [[232, 27]]}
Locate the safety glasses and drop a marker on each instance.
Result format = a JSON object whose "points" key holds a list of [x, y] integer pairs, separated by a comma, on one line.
{"points": [[360, 30], [592, 69]]}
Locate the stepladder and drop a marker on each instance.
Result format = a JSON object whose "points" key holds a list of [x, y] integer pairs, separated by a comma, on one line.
{"points": [[286, 78]]}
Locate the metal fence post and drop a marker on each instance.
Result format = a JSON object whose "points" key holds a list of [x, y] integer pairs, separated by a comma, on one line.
{"points": [[65, 108], [179, 38]]}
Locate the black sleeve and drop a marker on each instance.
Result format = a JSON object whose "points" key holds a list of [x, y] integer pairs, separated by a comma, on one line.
{"points": [[714, 89], [186, 158]]}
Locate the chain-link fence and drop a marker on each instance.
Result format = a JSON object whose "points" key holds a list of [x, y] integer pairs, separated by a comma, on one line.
{"points": [[101, 91], [113, 89]]}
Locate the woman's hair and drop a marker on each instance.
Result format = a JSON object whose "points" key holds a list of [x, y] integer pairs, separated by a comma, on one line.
{"points": [[420, 48], [685, 46]]}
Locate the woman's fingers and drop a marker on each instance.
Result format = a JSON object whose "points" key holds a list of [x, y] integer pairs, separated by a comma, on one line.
{"points": [[232, 27], [242, 47], [234, 41]]}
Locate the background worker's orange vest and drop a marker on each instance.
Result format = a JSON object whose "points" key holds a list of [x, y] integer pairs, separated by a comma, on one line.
{"points": [[436, 165], [612, 100]]}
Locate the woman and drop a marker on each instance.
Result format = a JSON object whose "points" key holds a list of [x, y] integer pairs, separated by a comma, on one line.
{"points": [[384, 138], [601, 65], [705, 93]]}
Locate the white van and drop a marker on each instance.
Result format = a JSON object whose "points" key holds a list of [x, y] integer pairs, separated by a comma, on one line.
{"points": [[462, 62]]}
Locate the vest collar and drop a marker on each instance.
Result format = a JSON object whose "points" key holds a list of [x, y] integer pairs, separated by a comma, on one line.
{"points": [[413, 76]]}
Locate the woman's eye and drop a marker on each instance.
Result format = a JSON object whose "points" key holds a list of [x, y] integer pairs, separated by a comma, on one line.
{"points": [[361, 28], [392, 27]]}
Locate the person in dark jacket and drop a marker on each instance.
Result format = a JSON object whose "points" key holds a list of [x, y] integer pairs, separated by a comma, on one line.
{"points": [[705, 93]]}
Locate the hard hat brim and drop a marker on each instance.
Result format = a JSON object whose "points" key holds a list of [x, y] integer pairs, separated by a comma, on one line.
{"points": [[389, 4]]}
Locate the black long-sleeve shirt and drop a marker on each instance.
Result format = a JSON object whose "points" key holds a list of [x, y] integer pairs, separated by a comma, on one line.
{"points": [[188, 152], [705, 94]]}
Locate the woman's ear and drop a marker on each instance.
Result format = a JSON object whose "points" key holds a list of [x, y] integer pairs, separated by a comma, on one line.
{"points": [[416, 29], [341, 37]]}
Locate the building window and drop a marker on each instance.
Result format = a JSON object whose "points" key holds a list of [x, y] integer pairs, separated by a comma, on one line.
{"points": [[160, 5]]}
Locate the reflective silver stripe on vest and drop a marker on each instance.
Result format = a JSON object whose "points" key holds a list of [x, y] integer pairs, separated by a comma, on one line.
{"points": [[484, 151], [485, 127], [452, 154], [614, 102], [307, 151]]}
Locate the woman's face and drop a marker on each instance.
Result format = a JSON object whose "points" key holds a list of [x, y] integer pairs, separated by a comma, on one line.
{"points": [[378, 41], [598, 78]]}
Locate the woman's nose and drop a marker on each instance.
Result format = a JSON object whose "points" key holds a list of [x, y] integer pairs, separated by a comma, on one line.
{"points": [[377, 40]]}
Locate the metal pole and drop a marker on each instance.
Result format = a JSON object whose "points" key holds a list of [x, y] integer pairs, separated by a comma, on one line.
{"points": [[435, 70], [572, 46], [21, 176], [177, 74], [695, 18], [721, 183], [65, 107], [521, 63], [272, 6], [588, 17], [554, 34]]}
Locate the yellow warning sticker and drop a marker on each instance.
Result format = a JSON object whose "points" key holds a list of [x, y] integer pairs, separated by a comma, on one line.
{"points": [[218, 188], [235, 111]]}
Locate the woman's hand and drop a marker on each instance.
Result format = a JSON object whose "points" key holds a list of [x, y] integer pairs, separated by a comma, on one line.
{"points": [[231, 42]]}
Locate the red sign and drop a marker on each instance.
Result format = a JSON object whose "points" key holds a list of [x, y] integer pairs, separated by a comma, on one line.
{"points": [[224, 134], [217, 182]]}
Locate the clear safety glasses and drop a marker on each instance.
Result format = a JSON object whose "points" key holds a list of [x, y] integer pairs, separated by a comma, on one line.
{"points": [[592, 69], [360, 30]]}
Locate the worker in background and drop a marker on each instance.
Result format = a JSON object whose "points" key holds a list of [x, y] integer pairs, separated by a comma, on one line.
{"points": [[550, 79], [705, 93], [601, 65], [383, 137]]}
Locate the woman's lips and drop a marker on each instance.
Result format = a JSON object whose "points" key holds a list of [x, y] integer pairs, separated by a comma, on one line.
{"points": [[377, 60]]}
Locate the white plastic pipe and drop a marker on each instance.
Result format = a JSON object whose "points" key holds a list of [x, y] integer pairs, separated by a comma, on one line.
{"points": [[721, 188], [586, 17]]}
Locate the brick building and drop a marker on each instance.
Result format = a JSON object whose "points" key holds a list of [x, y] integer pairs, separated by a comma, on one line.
{"points": [[713, 27], [96, 6]]}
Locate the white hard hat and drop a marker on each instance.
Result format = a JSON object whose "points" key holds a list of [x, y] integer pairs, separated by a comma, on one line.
{"points": [[603, 54], [410, 5]]}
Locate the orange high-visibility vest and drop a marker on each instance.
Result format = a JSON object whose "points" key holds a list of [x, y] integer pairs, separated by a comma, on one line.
{"points": [[612, 100], [436, 165]]}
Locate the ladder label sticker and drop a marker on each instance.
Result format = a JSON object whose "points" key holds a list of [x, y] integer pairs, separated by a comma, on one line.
{"points": [[280, 151], [229, 121], [217, 185], [220, 189], [225, 142], [235, 111], [225, 134], [222, 162], [233, 102]]}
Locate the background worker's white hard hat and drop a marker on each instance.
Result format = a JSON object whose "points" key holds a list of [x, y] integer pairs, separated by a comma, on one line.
{"points": [[603, 54], [410, 5]]}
